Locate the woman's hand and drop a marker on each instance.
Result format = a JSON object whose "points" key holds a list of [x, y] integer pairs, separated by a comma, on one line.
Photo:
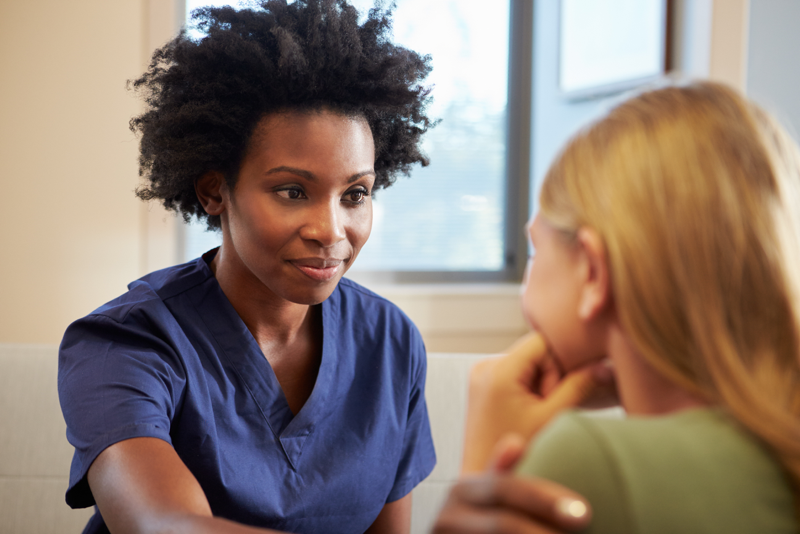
{"points": [[519, 392], [498, 502]]}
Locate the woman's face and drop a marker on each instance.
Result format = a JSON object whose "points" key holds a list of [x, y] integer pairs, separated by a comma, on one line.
{"points": [[301, 208], [551, 293]]}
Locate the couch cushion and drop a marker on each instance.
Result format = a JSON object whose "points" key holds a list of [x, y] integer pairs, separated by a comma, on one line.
{"points": [[34, 453], [446, 395]]}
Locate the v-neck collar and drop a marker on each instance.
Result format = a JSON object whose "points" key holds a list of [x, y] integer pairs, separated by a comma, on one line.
{"points": [[245, 357]]}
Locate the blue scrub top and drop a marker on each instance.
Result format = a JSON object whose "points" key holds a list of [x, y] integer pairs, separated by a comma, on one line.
{"points": [[171, 359]]}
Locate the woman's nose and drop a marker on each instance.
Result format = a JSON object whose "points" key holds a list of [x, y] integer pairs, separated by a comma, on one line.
{"points": [[325, 224]]}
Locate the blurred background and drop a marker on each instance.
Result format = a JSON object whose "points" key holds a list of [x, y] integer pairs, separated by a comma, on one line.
{"points": [[510, 86]]}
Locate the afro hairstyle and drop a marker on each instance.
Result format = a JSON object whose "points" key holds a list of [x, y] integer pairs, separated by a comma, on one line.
{"points": [[205, 96]]}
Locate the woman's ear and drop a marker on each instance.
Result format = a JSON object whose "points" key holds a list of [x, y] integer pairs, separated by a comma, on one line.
{"points": [[595, 293], [212, 191]]}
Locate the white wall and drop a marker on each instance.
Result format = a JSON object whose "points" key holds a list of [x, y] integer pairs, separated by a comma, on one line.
{"points": [[773, 74]]}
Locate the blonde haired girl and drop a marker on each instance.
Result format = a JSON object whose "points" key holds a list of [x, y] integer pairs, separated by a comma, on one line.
{"points": [[668, 241]]}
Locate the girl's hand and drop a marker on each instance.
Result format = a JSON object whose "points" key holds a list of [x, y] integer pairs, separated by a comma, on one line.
{"points": [[519, 392]]}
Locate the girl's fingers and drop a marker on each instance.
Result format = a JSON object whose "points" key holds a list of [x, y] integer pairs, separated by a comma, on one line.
{"points": [[507, 453]]}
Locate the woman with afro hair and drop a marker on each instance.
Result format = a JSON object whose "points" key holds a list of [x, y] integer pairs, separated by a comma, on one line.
{"points": [[254, 385], [255, 388]]}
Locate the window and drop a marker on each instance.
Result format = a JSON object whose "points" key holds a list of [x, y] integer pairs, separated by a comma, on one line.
{"points": [[461, 218]]}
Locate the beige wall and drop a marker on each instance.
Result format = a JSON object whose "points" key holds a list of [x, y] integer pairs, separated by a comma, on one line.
{"points": [[71, 236], [728, 58], [75, 235]]}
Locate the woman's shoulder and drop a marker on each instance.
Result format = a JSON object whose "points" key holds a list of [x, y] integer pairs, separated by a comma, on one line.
{"points": [[357, 291], [362, 318], [350, 295], [147, 294], [141, 316]]}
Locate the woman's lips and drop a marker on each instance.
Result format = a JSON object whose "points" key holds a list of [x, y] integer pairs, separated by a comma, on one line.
{"points": [[318, 269]]}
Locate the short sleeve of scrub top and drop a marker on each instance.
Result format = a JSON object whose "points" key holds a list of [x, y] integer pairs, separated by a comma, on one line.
{"points": [[171, 359]]}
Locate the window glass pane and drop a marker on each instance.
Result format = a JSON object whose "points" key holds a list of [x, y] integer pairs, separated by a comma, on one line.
{"points": [[610, 43], [191, 5], [195, 240], [448, 216]]}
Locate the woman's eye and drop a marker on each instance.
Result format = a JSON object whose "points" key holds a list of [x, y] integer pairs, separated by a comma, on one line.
{"points": [[356, 196], [292, 193]]}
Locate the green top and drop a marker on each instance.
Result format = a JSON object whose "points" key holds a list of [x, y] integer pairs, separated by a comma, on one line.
{"points": [[695, 471]]}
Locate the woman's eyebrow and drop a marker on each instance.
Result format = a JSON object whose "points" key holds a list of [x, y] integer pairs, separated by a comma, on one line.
{"points": [[310, 176], [293, 170], [358, 175]]}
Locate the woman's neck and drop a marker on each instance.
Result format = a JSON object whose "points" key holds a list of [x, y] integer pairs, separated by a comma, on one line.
{"points": [[266, 315], [288, 334], [642, 389]]}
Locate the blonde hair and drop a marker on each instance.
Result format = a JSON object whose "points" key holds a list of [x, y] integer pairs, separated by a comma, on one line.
{"points": [[696, 194]]}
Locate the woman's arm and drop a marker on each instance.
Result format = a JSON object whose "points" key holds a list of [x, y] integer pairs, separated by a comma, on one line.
{"points": [[395, 518], [142, 486]]}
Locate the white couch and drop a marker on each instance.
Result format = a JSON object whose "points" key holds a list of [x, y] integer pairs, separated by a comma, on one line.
{"points": [[35, 455]]}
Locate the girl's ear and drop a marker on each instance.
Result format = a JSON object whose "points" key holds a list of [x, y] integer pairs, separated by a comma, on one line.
{"points": [[595, 294], [212, 191]]}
